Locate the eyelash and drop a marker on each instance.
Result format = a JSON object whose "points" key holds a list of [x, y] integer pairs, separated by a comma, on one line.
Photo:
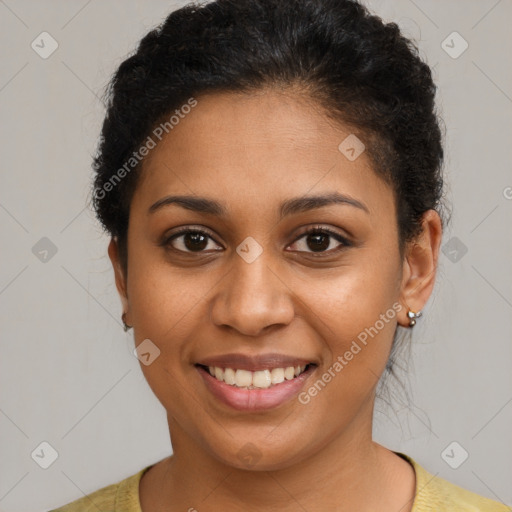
{"points": [[313, 230]]}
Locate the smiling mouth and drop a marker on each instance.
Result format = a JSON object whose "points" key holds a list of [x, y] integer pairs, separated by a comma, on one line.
{"points": [[259, 379]]}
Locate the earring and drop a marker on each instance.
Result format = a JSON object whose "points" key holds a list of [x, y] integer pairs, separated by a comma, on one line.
{"points": [[125, 325], [412, 317]]}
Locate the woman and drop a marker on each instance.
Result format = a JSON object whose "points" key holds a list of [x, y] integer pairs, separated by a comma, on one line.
{"points": [[270, 175]]}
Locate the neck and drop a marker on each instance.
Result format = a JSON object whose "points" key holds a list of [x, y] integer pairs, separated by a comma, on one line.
{"points": [[349, 472]]}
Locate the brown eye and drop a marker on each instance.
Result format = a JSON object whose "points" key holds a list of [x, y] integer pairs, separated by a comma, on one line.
{"points": [[190, 240], [320, 240]]}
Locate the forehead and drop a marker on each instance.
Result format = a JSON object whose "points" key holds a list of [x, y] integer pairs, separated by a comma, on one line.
{"points": [[260, 147], [267, 120]]}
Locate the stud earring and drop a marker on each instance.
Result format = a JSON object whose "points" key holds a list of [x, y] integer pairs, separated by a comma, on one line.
{"points": [[412, 317], [125, 325]]}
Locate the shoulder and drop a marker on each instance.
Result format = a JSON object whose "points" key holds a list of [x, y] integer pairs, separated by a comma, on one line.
{"points": [[120, 496], [435, 493]]}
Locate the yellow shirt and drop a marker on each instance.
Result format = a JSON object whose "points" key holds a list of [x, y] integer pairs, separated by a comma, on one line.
{"points": [[433, 494]]}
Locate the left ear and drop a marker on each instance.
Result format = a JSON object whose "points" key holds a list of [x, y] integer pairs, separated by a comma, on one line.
{"points": [[420, 266]]}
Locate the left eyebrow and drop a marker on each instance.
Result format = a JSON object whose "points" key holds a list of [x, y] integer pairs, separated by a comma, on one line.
{"points": [[288, 207], [302, 204]]}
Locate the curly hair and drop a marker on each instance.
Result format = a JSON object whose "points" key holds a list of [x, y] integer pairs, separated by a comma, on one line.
{"points": [[363, 72]]}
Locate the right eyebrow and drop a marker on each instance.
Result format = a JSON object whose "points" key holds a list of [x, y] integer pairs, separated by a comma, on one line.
{"points": [[198, 204]]}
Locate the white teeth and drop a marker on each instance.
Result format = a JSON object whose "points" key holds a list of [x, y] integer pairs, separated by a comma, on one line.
{"points": [[261, 379], [219, 374], [289, 373], [277, 375], [229, 376], [243, 378]]}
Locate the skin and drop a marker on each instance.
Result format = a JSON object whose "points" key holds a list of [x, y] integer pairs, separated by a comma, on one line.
{"points": [[252, 152]]}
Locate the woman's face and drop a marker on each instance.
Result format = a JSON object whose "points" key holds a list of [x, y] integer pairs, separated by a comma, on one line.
{"points": [[253, 291]]}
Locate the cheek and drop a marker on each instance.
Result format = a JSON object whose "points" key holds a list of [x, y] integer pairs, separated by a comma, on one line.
{"points": [[166, 306], [164, 300], [357, 325], [355, 315], [353, 296]]}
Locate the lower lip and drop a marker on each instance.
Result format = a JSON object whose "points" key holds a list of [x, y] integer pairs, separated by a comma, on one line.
{"points": [[255, 399]]}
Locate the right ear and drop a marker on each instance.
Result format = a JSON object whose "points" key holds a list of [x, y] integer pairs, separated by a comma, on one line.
{"points": [[113, 253]]}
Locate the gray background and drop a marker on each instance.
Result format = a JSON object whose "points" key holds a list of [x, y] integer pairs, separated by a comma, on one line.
{"points": [[67, 373]]}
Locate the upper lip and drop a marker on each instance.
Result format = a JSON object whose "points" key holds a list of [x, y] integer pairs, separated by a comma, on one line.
{"points": [[254, 362]]}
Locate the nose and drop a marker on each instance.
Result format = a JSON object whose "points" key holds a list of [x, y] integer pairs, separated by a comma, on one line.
{"points": [[252, 297]]}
